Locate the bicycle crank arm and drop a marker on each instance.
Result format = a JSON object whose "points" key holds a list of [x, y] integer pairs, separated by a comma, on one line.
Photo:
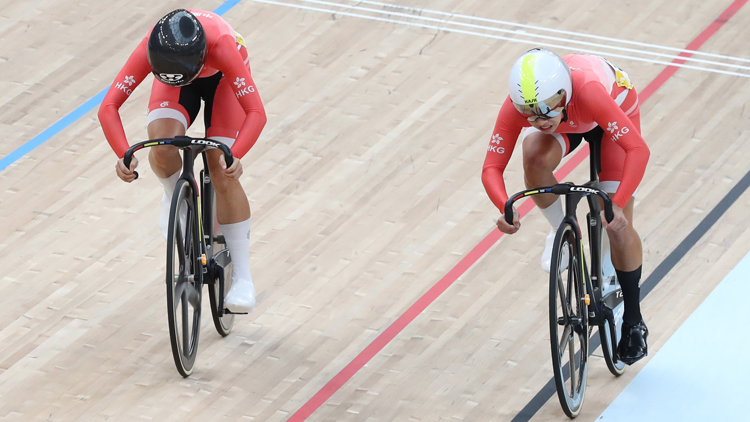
{"points": [[227, 311]]}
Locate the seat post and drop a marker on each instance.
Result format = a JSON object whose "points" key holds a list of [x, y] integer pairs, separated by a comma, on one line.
{"points": [[595, 162]]}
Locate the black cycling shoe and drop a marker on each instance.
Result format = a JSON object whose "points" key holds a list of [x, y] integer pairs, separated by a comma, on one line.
{"points": [[632, 346]]}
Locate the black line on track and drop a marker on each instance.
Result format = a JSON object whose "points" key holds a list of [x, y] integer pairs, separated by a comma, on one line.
{"points": [[647, 286]]}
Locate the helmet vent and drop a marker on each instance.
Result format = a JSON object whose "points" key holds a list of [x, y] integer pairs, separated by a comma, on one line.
{"points": [[183, 28]]}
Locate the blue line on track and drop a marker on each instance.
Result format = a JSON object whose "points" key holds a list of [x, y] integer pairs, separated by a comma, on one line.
{"points": [[76, 114], [224, 8], [52, 130]]}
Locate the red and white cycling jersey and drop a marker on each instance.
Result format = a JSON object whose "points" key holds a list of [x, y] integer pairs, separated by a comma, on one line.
{"points": [[602, 96], [225, 53]]}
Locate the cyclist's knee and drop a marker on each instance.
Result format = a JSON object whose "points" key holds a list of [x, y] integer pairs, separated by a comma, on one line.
{"points": [[541, 153], [163, 152], [220, 182], [624, 237], [164, 159], [165, 128]]}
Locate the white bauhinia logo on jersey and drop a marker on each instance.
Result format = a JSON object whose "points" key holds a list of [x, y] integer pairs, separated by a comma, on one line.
{"points": [[240, 82], [613, 129], [129, 80], [494, 144], [171, 77], [164, 104]]}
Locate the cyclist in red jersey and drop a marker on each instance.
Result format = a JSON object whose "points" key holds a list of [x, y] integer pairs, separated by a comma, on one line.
{"points": [[554, 103], [195, 55]]}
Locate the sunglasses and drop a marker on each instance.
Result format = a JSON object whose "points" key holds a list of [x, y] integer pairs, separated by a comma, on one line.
{"points": [[550, 115], [547, 109]]}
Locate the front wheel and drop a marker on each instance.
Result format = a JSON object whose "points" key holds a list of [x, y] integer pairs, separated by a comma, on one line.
{"points": [[184, 272], [568, 320]]}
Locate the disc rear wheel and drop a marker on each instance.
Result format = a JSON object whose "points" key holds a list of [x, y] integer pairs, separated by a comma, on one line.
{"points": [[218, 291], [612, 298], [221, 266]]}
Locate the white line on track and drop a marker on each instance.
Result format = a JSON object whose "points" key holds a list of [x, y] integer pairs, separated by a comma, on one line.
{"points": [[540, 28], [521, 32], [448, 25]]}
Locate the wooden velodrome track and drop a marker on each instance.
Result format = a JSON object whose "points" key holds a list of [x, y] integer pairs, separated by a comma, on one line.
{"points": [[365, 189]]}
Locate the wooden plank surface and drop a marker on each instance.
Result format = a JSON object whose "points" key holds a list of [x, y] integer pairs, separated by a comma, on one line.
{"points": [[365, 190]]}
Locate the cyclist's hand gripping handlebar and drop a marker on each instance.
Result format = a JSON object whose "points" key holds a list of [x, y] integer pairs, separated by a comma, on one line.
{"points": [[126, 159], [509, 211], [228, 157]]}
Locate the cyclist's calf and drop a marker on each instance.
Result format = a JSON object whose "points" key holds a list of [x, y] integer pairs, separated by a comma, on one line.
{"points": [[627, 251], [232, 205]]}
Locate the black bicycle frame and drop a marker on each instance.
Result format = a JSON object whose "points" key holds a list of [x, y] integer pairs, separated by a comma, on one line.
{"points": [[573, 195], [188, 155], [206, 207], [190, 147]]}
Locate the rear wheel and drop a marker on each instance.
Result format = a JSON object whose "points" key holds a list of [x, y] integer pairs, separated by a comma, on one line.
{"points": [[221, 268], [612, 298], [184, 272], [568, 321], [218, 291]]}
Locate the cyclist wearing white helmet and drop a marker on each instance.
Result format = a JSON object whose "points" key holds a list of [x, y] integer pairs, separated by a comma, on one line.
{"points": [[557, 102], [195, 56]]}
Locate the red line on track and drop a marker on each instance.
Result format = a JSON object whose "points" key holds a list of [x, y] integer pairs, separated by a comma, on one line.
{"points": [[473, 256], [694, 45]]}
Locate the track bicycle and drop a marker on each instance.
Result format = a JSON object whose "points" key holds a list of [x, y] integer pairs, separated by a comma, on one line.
{"points": [[196, 252], [579, 297]]}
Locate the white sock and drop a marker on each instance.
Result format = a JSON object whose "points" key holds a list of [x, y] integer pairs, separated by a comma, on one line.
{"points": [[169, 183], [166, 201], [237, 236], [554, 213]]}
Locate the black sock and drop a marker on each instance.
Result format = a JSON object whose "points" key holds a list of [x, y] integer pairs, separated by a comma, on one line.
{"points": [[631, 294]]}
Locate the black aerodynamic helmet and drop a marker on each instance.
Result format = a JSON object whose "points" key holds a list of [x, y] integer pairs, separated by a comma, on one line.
{"points": [[177, 48]]}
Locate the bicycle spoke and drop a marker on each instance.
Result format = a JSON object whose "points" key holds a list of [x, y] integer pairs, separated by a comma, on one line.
{"points": [[573, 369], [188, 242], [564, 339], [179, 241], [563, 300], [185, 324], [193, 296], [572, 290], [179, 289]]}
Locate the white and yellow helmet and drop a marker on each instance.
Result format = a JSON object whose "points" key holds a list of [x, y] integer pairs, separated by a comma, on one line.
{"points": [[540, 83]]}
